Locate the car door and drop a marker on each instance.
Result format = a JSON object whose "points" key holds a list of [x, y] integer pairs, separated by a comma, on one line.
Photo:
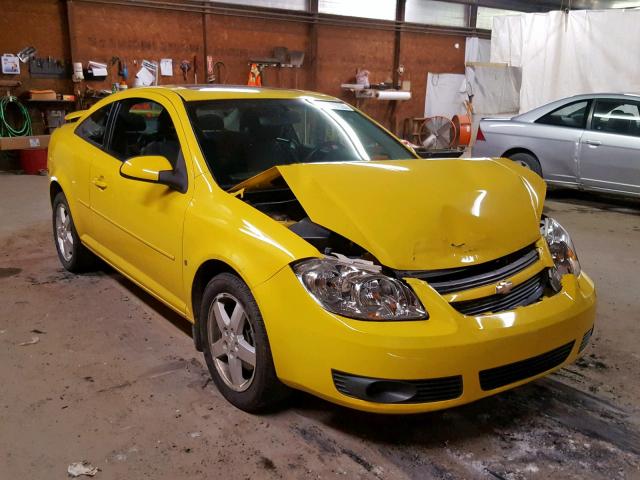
{"points": [[610, 148], [557, 139], [146, 218], [79, 155]]}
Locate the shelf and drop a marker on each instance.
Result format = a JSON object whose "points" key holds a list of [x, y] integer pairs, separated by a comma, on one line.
{"points": [[50, 101]]}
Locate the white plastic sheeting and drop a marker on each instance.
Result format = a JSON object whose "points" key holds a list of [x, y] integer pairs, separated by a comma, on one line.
{"points": [[495, 88], [584, 51], [477, 50], [444, 94]]}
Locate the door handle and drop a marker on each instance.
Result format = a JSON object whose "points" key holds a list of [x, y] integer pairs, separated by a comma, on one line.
{"points": [[593, 143], [100, 183]]}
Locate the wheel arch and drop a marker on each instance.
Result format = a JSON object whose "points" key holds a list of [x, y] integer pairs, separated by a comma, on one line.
{"points": [[54, 189], [205, 272], [513, 151]]}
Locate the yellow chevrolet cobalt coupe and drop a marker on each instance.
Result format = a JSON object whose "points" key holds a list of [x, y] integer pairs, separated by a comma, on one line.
{"points": [[312, 250]]}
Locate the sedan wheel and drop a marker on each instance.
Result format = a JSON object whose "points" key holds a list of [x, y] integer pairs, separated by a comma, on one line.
{"points": [[73, 255], [527, 161], [64, 235], [232, 342], [236, 346]]}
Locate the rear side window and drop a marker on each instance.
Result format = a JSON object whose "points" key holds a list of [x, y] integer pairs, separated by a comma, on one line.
{"points": [[573, 115], [144, 127], [616, 116], [94, 128]]}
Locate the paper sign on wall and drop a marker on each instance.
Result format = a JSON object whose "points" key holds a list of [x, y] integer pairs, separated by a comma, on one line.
{"points": [[146, 77], [166, 67], [10, 64]]}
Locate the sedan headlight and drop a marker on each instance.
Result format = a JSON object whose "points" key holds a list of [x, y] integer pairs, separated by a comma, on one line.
{"points": [[357, 289], [561, 247]]}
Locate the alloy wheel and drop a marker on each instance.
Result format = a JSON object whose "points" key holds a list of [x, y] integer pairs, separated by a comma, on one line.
{"points": [[64, 234], [232, 341]]}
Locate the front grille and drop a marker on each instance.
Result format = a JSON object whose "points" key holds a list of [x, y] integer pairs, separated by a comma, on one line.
{"points": [[398, 391], [585, 340], [464, 278], [526, 293], [514, 372]]}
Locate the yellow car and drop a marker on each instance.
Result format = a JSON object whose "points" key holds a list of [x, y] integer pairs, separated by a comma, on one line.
{"points": [[312, 250]]}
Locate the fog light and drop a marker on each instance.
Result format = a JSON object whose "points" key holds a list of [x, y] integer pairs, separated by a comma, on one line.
{"points": [[555, 279]]}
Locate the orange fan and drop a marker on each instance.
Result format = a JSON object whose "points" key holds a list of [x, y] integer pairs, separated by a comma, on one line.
{"points": [[463, 129], [437, 133]]}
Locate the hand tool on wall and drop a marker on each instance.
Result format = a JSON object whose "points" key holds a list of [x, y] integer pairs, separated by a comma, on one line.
{"points": [[218, 69], [123, 70], [210, 77], [185, 66], [195, 69], [26, 54]]}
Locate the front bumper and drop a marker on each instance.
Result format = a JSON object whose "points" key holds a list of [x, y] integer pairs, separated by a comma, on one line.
{"points": [[309, 343]]}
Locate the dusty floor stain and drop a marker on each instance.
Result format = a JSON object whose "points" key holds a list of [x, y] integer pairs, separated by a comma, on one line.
{"points": [[115, 381]]}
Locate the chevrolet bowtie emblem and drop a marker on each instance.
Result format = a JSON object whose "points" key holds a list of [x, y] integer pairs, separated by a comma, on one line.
{"points": [[504, 287]]}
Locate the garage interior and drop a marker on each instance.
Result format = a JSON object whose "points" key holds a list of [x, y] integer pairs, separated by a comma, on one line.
{"points": [[98, 372]]}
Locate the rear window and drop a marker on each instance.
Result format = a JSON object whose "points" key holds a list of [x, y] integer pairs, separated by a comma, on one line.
{"points": [[94, 128]]}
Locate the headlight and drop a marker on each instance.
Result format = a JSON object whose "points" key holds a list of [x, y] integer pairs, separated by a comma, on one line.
{"points": [[561, 247], [357, 289]]}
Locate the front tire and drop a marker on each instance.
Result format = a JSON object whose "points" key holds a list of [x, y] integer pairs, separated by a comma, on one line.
{"points": [[527, 161], [236, 347], [74, 256]]}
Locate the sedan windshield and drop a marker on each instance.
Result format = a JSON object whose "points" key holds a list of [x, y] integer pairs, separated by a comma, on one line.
{"points": [[241, 138]]}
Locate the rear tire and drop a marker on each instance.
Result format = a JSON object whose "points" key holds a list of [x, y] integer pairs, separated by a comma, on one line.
{"points": [[236, 346], [73, 255], [528, 161]]}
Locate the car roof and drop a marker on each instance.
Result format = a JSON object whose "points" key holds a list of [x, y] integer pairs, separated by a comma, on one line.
{"points": [[217, 92]]}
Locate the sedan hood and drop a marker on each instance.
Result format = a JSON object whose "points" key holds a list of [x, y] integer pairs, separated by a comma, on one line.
{"points": [[420, 214]]}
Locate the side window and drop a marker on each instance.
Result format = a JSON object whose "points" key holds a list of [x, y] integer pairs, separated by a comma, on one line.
{"points": [[143, 127], [616, 116], [573, 115], [94, 128]]}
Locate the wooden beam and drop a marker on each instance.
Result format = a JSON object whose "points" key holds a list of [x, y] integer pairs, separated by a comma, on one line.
{"points": [[397, 41], [71, 25]]}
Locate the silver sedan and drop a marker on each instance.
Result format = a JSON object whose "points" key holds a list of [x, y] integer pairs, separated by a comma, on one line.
{"points": [[590, 142]]}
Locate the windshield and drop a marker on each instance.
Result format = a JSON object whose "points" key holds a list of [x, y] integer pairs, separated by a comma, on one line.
{"points": [[241, 138]]}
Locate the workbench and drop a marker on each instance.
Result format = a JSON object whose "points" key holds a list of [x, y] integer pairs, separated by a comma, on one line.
{"points": [[32, 142]]}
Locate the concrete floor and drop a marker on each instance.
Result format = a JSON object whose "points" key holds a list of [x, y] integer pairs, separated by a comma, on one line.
{"points": [[113, 379]]}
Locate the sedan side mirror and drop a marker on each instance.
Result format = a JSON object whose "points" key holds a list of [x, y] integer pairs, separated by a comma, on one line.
{"points": [[152, 169]]}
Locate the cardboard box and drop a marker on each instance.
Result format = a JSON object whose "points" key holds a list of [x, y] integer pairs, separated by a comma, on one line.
{"points": [[33, 142], [42, 95]]}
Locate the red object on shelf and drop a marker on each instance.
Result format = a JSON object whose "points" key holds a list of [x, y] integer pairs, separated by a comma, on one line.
{"points": [[33, 161]]}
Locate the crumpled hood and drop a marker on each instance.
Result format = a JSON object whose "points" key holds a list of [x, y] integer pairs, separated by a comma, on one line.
{"points": [[421, 214]]}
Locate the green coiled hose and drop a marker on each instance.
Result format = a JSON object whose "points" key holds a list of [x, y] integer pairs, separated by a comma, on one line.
{"points": [[6, 129]]}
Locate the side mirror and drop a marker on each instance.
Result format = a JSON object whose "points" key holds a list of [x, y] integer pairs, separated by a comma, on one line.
{"points": [[156, 169], [146, 169]]}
